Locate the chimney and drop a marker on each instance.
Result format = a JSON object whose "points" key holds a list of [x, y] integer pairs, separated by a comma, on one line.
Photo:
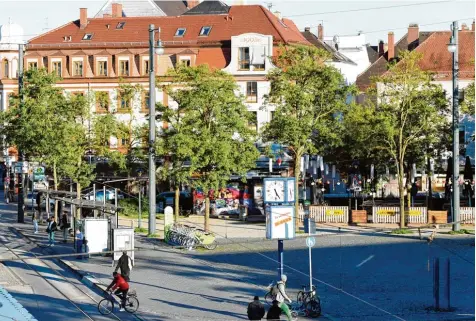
{"points": [[192, 3], [391, 46], [107, 15], [320, 32], [413, 36], [464, 27], [116, 10], [307, 29], [83, 18], [278, 15], [380, 48], [472, 26]]}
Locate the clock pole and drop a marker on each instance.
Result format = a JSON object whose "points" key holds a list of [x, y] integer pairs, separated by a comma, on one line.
{"points": [[280, 258]]}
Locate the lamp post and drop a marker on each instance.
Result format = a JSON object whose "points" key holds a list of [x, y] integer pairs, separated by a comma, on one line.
{"points": [[153, 49], [453, 48]]}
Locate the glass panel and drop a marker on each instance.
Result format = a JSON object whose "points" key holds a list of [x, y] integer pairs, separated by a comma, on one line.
{"points": [[244, 58]]}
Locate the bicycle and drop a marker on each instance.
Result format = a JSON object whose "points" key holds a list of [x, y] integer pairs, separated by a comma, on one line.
{"points": [[309, 301], [106, 305]]}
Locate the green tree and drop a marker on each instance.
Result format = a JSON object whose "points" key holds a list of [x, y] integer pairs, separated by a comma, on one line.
{"points": [[467, 107], [212, 130], [403, 117], [308, 96]]}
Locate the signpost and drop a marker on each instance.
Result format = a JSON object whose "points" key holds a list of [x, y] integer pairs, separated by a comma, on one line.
{"points": [[310, 242]]}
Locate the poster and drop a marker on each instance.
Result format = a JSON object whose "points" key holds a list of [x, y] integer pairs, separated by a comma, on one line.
{"points": [[280, 222]]}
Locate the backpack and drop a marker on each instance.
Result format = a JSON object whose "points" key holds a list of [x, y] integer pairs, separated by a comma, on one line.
{"points": [[274, 291]]}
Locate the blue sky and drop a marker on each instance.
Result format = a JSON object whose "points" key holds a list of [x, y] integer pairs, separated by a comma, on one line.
{"points": [[36, 16]]}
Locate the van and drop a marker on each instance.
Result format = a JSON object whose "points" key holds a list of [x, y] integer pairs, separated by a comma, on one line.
{"points": [[168, 199]]}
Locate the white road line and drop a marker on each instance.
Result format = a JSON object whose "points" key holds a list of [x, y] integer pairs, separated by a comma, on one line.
{"points": [[365, 261]]}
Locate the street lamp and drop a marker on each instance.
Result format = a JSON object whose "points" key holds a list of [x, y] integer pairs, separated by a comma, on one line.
{"points": [[453, 48], [154, 49]]}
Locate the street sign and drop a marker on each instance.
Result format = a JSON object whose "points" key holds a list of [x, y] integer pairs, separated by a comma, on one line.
{"points": [[310, 241]]}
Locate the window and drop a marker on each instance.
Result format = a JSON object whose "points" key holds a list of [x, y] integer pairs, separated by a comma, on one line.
{"points": [[253, 121], [205, 31], [185, 62], [180, 32], [102, 68], [145, 101], [123, 105], [77, 68], [258, 55], [244, 58], [32, 65], [272, 115], [252, 92], [145, 67], [6, 68], [120, 25], [57, 68], [102, 101], [124, 67], [88, 36]]}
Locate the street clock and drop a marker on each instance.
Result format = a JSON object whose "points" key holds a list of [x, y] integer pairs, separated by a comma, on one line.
{"points": [[278, 190]]}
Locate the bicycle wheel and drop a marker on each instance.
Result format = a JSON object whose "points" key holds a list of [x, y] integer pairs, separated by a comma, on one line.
{"points": [[301, 296], [211, 246], [105, 306], [314, 307], [268, 297], [132, 304]]}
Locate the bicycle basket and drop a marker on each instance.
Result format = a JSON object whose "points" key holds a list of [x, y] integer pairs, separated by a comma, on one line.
{"points": [[132, 293]]}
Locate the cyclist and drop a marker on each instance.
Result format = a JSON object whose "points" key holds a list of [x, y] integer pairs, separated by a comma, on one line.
{"points": [[280, 295], [122, 288]]}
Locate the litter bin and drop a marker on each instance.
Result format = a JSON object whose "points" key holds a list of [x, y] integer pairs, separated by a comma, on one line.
{"points": [[311, 224]]}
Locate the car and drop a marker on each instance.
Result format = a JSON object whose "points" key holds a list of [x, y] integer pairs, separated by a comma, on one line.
{"points": [[100, 195], [30, 201], [168, 199]]}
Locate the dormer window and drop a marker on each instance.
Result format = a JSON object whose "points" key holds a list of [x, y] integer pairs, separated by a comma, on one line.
{"points": [[88, 36], [180, 32], [120, 25], [205, 31]]}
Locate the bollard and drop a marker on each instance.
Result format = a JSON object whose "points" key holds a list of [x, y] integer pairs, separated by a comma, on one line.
{"points": [[436, 283]]}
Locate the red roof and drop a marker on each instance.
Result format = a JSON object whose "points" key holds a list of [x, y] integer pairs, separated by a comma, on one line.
{"points": [[437, 58], [241, 19]]}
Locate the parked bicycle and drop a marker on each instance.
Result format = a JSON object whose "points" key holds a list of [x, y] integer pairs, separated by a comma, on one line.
{"points": [[309, 301], [190, 237], [106, 305]]}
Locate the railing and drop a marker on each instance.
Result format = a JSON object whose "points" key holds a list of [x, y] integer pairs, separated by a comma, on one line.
{"points": [[328, 214], [467, 214], [391, 215]]}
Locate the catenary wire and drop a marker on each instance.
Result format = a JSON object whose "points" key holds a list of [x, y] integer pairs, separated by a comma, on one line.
{"points": [[367, 9]]}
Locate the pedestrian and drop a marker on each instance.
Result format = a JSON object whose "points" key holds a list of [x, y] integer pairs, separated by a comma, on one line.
{"points": [[11, 188], [34, 218], [39, 198], [6, 189], [52, 227], [255, 309], [64, 227], [125, 263], [279, 294], [79, 243], [274, 312]]}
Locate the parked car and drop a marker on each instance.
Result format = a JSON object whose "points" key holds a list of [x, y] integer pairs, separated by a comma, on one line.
{"points": [[100, 195], [168, 199], [30, 201]]}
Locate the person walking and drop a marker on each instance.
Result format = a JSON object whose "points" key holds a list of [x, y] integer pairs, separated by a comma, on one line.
{"points": [[279, 293], [34, 218], [274, 312], [255, 309], [52, 227], [64, 225], [39, 198], [125, 263], [79, 243], [6, 186]]}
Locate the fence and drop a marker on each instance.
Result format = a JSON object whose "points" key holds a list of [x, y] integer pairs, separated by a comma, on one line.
{"points": [[392, 215], [467, 214], [330, 214]]}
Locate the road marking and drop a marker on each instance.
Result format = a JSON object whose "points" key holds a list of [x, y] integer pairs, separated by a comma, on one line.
{"points": [[365, 261]]}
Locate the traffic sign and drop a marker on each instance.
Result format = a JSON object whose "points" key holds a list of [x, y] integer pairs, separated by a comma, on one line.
{"points": [[310, 241]]}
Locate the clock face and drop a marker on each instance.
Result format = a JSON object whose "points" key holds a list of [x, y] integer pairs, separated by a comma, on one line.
{"points": [[290, 191], [275, 191]]}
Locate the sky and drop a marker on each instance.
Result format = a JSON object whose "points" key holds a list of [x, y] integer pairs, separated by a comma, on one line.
{"points": [[37, 17]]}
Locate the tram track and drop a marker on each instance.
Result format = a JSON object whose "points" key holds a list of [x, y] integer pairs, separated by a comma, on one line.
{"points": [[61, 277]]}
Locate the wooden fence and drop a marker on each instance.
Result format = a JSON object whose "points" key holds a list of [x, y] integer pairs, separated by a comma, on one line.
{"points": [[467, 214], [330, 214], [391, 215]]}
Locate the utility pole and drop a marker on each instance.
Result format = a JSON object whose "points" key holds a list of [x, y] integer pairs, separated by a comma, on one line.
{"points": [[21, 199], [453, 48]]}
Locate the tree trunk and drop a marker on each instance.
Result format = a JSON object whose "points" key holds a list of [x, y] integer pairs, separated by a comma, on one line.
{"points": [[78, 196], [297, 170], [177, 200], [401, 189], [207, 212]]}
